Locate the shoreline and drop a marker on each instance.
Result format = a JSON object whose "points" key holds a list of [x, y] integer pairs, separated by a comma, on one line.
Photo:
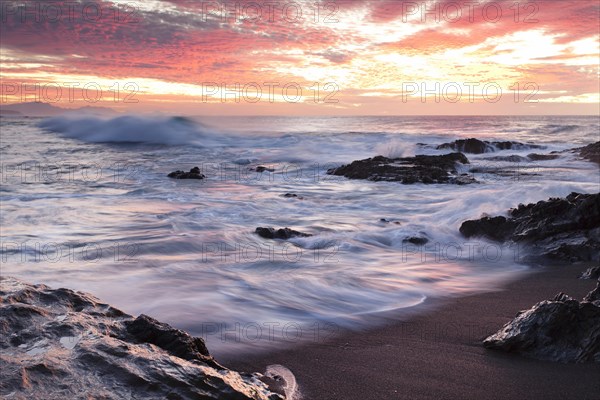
{"points": [[438, 353]]}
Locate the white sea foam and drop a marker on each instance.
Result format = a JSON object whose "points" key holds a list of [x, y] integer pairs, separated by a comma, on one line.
{"points": [[188, 253]]}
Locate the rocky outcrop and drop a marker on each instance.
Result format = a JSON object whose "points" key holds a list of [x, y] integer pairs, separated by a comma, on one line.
{"points": [[293, 196], [512, 158], [591, 152], [594, 295], [542, 157], [61, 344], [416, 240], [530, 157], [421, 168], [476, 146], [282, 233], [193, 174], [496, 228], [562, 329], [567, 228], [591, 273]]}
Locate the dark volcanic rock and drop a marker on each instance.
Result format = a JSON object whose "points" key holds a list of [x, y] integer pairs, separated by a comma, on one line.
{"points": [[591, 273], [476, 146], [261, 168], [512, 158], [419, 241], [495, 228], [591, 152], [562, 329], [567, 228], [293, 196], [193, 174], [61, 344], [594, 295], [148, 330], [282, 233], [542, 157], [422, 168]]}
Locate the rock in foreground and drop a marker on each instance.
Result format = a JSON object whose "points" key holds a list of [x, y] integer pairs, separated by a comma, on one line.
{"points": [[282, 233], [561, 228], [562, 329], [591, 273], [61, 344], [591, 152], [476, 146], [422, 168], [193, 174]]}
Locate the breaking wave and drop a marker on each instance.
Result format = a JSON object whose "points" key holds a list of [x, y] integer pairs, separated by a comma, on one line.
{"points": [[133, 129]]}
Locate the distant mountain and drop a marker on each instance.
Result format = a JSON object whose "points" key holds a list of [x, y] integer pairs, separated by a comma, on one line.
{"points": [[39, 109], [9, 112], [89, 110]]}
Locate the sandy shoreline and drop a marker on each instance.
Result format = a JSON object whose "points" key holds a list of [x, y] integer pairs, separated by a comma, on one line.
{"points": [[438, 354]]}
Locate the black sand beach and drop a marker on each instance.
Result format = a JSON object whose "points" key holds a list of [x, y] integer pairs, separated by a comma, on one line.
{"points": [[438, 355]]}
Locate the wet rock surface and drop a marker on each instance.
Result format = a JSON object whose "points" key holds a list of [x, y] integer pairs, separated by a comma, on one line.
{"points": [[562, 329], [591, 152], [559, 228], [520, 159], [416, 240], [594, 295], [418, 169], [542, 157], [193, 174], [591, 273], [61, 344], [282, 233], [476, 146], [293, 196]]}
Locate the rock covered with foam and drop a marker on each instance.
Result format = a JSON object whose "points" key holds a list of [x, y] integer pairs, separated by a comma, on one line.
{"points": [[560, 228]]}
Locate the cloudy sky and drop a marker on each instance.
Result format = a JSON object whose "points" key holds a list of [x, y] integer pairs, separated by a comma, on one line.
{"points": [[304, 57]]}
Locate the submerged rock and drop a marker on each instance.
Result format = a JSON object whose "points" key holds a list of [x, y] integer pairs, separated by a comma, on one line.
{"points": [[564, 228], [421, 168], [193, 174], [417, 240], [591, 273], [476, 146], [293, 195], [562, 329], [61, 344], [520, 159], [512, 158], [542, 157], [389, 221], [591, 152], [282, 233]]}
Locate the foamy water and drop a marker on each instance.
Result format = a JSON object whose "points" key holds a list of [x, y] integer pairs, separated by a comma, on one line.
{"points": [[87, 205]]}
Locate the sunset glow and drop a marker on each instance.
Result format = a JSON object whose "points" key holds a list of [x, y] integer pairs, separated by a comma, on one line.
{"points": [[351, 56]]}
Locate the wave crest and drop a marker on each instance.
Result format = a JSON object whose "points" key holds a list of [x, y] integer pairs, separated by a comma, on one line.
{"points": [[133, 129]]}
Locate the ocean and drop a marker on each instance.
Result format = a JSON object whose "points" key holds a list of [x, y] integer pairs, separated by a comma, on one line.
{"points": [[87, 204]]}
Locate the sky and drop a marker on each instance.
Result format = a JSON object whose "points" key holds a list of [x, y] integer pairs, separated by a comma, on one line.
{"points": [[350, 57]]}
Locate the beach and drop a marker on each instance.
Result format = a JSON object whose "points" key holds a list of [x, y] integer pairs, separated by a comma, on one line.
{"points": [[439, 354]]}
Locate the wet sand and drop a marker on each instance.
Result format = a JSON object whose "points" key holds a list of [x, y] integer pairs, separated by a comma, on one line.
{"points": [[438, 354]]}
